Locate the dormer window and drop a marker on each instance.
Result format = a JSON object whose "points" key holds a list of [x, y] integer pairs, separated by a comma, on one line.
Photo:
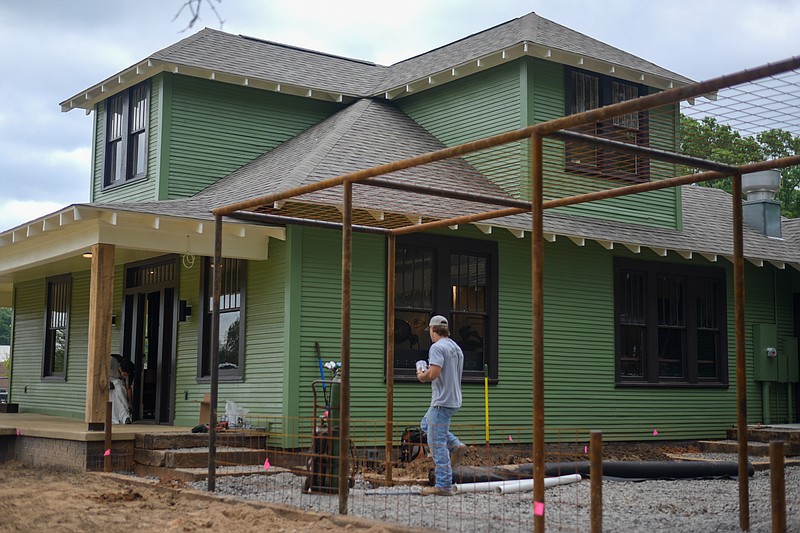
{"points": [[586, 91], [126, 135]]}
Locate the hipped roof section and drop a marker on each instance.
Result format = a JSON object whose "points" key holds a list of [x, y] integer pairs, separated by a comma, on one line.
{"points": [[242, 60]]}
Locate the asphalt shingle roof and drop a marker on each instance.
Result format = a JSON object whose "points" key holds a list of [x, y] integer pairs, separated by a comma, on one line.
{"points": [[277, 63], [530, 28]]}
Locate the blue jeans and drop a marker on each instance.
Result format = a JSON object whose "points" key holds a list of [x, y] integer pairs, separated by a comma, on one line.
{"points": [[436, 423]]}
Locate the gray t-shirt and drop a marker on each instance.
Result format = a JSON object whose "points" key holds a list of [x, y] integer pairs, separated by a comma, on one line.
{"points": [[446, 389]]}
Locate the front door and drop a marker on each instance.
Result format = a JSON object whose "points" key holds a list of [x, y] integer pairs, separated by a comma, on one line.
{"points": [[148, 337]]}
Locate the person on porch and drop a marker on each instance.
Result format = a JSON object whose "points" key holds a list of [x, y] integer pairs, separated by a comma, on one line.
{"points": [[120, 391]]}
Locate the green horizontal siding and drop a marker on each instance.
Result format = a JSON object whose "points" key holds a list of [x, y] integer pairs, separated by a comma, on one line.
{"points": [[216, 127], [481, 105], [261, 389]]}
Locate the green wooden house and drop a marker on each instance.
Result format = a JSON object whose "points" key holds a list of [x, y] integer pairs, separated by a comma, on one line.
{"points": [[638, 290]]}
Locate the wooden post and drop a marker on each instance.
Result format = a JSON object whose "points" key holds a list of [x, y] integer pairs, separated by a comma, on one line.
{"points": [[98, 366]]}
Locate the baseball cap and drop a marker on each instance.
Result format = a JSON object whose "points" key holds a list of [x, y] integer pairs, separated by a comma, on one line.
{"points": [[437, 320]]}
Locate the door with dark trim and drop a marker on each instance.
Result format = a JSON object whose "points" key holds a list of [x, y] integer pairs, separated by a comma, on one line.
{"points": [[148, 337]]}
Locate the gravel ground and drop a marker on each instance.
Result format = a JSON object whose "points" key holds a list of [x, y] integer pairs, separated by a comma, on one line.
{"points": [[686, 505]]}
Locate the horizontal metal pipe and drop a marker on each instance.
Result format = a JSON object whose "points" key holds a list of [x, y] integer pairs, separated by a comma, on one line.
{"points": [[458, 220], [446, 193], [653, 153], [671, 182], [263, 218]]}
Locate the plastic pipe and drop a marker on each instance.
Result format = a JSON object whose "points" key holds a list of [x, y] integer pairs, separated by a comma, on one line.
{"points": [[523, 485], [509, 485]]}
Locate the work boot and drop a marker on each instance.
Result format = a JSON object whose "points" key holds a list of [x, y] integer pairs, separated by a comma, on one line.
{"points": [[456, 455], [436, 491]]}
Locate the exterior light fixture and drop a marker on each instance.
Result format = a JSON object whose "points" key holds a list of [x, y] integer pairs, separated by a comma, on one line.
{"points": [[87, 255]]}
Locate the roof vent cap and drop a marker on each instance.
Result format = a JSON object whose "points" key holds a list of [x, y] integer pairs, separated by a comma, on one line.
{"points": [[761, 186]]}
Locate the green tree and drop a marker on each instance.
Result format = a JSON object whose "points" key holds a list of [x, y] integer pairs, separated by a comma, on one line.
{"points": [[5, 326], [708, 139]]}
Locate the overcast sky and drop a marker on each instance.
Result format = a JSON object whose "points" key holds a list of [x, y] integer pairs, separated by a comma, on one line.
{"points": [[53, 49]]}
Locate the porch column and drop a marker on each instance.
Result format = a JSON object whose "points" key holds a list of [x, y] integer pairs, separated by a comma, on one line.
{"points": [[101, 301]]}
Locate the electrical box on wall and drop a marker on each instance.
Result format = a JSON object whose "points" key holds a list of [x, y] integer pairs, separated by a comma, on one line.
{"points": [[766, 358]]}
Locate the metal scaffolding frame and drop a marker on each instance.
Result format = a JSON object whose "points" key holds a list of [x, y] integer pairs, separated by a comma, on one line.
{"points": [[258, 210]]}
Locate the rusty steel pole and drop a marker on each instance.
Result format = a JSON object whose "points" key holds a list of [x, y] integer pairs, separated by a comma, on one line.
{"points": [[391, 245], [344, 389], [777, 486], [596, 480], [212, 411], [741, 356], [537, 337]]}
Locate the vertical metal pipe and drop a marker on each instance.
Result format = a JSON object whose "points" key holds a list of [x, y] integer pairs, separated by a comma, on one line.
{"points": [[107, 448], [212, 411], [777, 486], [537, 282], [741, 370], [347, 271], [596, 472], [391, 245]]}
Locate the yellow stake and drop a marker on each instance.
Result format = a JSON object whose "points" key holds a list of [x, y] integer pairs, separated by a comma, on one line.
{"points": [[486, 400]]}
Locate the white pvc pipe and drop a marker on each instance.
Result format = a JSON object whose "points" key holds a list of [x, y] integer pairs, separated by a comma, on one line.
{"points": [[522, 485], [516, 485]]}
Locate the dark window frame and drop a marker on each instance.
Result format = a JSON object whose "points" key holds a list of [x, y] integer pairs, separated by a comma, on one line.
{"points": [[49, 372], [206, 315], [131, 126], [604, 157], [693, 278], [443, 247]]}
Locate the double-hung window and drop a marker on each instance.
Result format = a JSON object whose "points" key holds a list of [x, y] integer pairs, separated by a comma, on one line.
{"points": [[126, 135], [54, 364], [670, 324], [453, 277], [231, 319], [586, 91]]}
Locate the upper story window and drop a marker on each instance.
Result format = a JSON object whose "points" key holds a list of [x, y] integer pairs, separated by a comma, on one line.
{"points": [[456, 278], [586, 91], [231, 319], [670, 323], [54, 364], [126, 135]]}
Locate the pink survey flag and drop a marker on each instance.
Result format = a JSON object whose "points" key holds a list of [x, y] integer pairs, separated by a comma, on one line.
{"points": [[108, 452], [655, 433], [538, 508], [510, 439], [266, 464], [18, 433], [585, 449]]}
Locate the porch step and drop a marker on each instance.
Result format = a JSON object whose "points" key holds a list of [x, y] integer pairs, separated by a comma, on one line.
{"points": [[198, 457], [184, 456], [167, 441]]}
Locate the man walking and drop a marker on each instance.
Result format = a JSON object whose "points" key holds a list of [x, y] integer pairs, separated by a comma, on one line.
{"points": [[446, 364]]}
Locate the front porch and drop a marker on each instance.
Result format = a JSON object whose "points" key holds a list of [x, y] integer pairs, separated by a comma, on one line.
{"points": [[44, 440]]}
